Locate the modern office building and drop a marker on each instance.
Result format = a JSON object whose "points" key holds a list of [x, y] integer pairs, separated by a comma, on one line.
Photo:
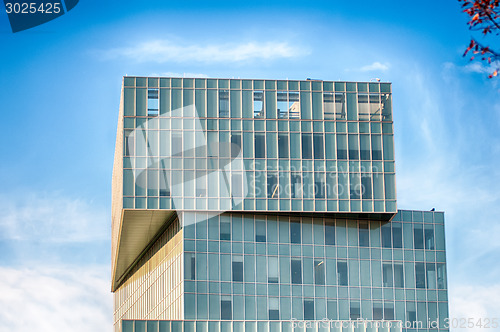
{"points": [[266, 205]]}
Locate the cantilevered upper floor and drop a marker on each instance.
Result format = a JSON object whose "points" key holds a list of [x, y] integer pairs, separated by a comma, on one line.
{"points": [[280, 146]]}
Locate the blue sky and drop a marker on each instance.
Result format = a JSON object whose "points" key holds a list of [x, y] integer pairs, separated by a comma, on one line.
{"points": [[60, 90]]}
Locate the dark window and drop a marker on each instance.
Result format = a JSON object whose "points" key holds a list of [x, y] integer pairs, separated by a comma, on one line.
{"points": [[418, 236], [274, 314], [355, 311], [296, 267], [353, 147], [238, 271], [376, 147], [260, 146], [296, 185], [295, 232], [319, 272], [329, 233], [342, 278], [260, 231], [378, 313], [341, 147], [364, 234], [429, 237], [307, 146], [272, 186], [397, 235], [225, 310], [364, 141], [235, 145], [420, 275], [225, 230], [366, 186], [319, 150], [308, 310], [398, 276], [388, 311], [386, 235], [283, 146]]}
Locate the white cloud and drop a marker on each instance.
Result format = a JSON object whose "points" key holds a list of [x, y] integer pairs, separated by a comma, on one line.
{"points": [[162, 51], [474, 67], [476, 302], [376, 66], [55, 299], [173, 74], [52, 218]]}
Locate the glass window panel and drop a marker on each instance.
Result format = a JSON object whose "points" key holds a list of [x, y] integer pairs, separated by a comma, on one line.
{"points": [[283, 145], [387, 274], [305, 105], [296, 185], [271, 110], [398, 276], [295, 142], [258, 104], [376, 147], [273, 269], [352, 111], [308, 309], [318, 146], [397, 235], [308, 271], [366, 186], [329, 232], [235, 104], [418, 236], [260, 230], [225, 308], [272, 145], [225, 267], [342, 277], [211, 103], [319, 185], [282, 104], [340, 111], [388, 147], [364, 141], [390, 186], [317, 105], [429, 237], [307, 146], [353, 147], [329, 106], [386, 107], [341, 146], [260, 145], [293, 105], [319, 272], [238, 268], [364, 234], [355, 186], [249, 267], [420, 275], [363, 108], [386, 235], [296, 271]]}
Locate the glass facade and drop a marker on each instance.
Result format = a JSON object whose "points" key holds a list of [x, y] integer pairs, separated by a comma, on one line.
{"points": [[258, 145], [279, 210]]}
